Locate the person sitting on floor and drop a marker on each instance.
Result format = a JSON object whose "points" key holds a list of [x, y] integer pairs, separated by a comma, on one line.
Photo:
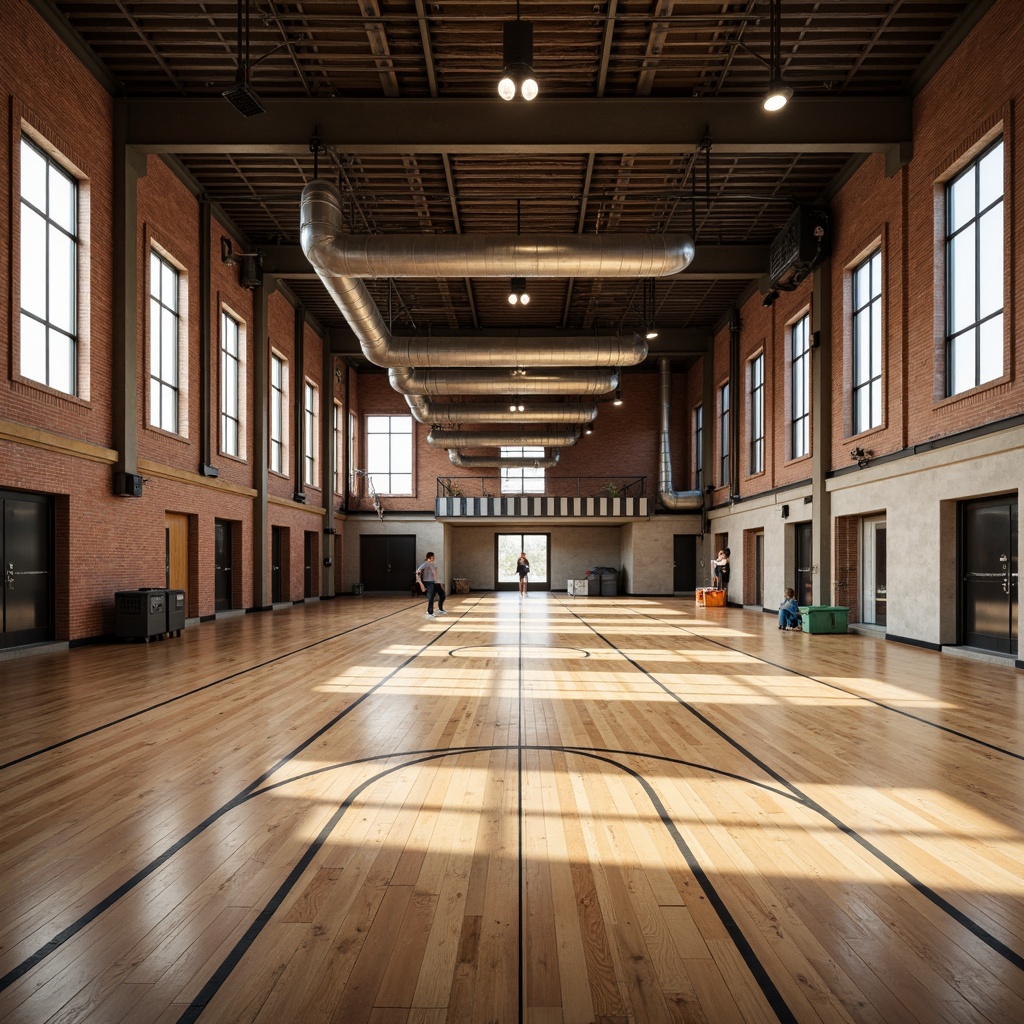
{"points": [[789, 611]]}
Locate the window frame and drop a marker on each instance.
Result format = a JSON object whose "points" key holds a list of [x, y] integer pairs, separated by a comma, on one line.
{"points": [[229, 359], [724, 452], [872, 313], [755, 376], [72, 334], [531, 479], [310, 434], [800, 387], [384, 479], [698, 438], [159, 388], [278, 402], [982, 255]]}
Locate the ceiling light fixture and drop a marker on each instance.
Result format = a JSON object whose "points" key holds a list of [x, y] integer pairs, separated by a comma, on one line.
{"points": [[650, 331], [618, 397], [517, 292], [779, 94], [517, 51]]}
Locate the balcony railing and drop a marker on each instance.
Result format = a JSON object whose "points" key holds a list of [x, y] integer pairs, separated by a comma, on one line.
{"points": [[550, 486]]}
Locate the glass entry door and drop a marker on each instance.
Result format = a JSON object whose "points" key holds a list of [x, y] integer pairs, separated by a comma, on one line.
{"points": [[508, 547], [873, 595]]}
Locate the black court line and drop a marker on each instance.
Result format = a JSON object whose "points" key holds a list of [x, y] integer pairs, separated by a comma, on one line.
{"points": [[223, 971], [520, 973], [940, 902], [144, 872], [193, 692], [834, 686]]}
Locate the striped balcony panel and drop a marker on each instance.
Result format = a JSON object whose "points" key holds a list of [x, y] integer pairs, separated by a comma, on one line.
{"points": [[528, 506]]}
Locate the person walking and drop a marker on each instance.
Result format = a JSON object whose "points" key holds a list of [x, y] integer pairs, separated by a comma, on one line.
{"points": [[428, 576], [523, 568]]}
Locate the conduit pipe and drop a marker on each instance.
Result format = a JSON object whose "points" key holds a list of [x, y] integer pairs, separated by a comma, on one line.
{"points": [[497, 462], [450, 413], [501, 438], [689, 501]]}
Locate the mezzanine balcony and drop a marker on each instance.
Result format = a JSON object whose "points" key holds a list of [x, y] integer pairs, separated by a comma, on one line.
{"points": [[555, 498]]}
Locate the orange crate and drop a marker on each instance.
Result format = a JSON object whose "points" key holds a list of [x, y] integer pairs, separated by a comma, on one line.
{"points": [[709, 597]]}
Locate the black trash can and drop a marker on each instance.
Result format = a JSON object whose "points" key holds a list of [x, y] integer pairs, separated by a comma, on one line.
{"points": [[609, 585], [140, 614]]}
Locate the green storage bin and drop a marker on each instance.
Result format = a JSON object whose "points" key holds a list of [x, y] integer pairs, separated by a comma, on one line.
{"points": [[824, 618]]}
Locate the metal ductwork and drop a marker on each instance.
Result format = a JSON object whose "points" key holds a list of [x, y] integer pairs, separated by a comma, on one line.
{"points": [[690, 501], [426, 411], [501, 438], [446, 383], [497, 462]]}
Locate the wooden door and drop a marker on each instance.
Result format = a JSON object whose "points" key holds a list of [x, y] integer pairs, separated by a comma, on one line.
{"points": [[177, 553]]}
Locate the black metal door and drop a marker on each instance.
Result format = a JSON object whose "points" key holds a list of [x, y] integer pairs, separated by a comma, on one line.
{"points": [[388, 563], [759, 570], [26, 555], [222, 565], [803, 570], [988, 586], [310, 557], [275, 563], [881, 596], [684, 557]]}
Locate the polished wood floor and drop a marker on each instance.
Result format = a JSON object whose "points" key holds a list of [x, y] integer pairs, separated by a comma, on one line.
{"points": [[546, 810]]}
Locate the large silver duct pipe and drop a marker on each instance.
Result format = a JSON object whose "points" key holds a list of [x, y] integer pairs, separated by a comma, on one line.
{"points": [[501, 438], [446, 383], [448, 413], [340, 255], [341, 259], [690, 501], [497, 462]]}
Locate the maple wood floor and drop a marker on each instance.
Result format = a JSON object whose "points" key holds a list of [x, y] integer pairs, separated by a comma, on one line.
{"points": [[549, 810]]}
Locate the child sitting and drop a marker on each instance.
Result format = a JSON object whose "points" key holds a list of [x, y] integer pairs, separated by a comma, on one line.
{"points": [[789, 611]]}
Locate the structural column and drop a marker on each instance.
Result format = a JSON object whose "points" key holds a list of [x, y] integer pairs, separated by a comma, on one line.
{"points": [[821, 433]]}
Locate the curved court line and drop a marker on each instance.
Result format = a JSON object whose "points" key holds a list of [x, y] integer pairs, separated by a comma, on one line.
{"points": [[144, 872], [940, 902], [768, 989]]}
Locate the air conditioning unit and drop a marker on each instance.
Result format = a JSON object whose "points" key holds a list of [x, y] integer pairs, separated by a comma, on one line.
{"points": [[799, 247]]}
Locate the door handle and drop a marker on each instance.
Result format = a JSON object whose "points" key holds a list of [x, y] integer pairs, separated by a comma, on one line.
{"points": [[9, 576]]}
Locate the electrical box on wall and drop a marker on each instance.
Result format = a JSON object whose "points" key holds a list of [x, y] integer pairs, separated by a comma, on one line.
{"points": [[128, 485]]}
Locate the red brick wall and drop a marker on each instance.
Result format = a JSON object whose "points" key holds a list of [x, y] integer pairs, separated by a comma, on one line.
{"points": [[846, 565]]}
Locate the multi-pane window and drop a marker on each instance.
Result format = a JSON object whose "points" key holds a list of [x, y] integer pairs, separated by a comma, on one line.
{"points": [[522, 479], [230, 385], [309, 402], [867, 343], [49, 274], [698, 440], [164, 326], [800, 387], [278, 385], [389, 453], [350, 450], [339, 448], [757, 414], [974, 273], [723, 435]]}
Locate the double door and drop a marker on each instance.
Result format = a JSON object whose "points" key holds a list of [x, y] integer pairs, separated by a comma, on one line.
{"points": [[388, 563]]}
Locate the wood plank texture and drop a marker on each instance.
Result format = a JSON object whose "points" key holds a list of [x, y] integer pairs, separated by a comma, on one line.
{"points": [[551, 811]]}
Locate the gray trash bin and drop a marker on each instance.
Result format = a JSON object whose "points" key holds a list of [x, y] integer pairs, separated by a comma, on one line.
{"points": [[610, 585], [140, 614], [175, 611]]}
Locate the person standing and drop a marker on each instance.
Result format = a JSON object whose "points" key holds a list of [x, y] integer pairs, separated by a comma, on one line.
{"points": [[721, 564], [523, 568], [428, 576]]}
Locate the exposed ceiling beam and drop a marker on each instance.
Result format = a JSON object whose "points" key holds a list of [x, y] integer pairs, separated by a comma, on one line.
{"points": [[836, 124]]}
